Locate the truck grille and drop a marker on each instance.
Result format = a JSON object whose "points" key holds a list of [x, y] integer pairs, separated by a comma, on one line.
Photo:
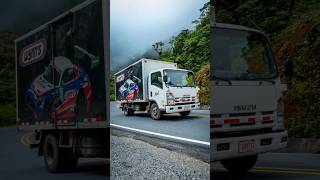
{"points": [[185, 100]]}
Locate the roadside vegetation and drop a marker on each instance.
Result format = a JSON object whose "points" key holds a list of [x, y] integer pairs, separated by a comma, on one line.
{"points": [[7, 79], [190, 50], [294, 29]]}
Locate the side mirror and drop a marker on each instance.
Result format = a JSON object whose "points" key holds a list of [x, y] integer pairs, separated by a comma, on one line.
{"points": [[288, 68], [165, 79]]}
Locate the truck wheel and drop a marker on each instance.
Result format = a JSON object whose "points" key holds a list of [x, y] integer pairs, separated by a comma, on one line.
{"points": [[57, 160], [241, 164], [155, 112], [127, 111], [185, 113]]}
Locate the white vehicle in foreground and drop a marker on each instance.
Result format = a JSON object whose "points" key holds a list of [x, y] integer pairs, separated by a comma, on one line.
{"points": [[246, 98]]}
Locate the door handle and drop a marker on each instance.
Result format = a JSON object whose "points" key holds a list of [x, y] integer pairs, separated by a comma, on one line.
{"points": [[151, 93]]}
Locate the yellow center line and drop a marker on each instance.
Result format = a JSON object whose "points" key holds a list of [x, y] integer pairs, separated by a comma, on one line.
{"points": [[278, 170], [287, 171], [25, 139]]}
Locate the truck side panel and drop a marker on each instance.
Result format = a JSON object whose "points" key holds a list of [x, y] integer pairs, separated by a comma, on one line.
{"points": [[129, 84], [60, 73]]}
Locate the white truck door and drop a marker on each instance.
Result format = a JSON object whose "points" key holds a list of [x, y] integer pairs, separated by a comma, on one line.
{"points": [[156, 88]]}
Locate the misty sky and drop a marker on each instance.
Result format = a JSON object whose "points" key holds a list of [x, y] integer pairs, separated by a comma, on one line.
{"points": [[137, 24], [25, 15]]}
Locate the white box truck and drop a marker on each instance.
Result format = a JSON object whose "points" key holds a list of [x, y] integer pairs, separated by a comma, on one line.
{"points": [[246, 97], [157, 87]]}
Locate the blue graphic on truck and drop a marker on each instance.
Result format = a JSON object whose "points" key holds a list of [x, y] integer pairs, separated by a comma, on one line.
{"points": [[60, 92]]}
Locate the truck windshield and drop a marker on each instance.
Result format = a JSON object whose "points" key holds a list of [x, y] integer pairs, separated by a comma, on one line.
{"points": [[179, 78], [241, 55]]}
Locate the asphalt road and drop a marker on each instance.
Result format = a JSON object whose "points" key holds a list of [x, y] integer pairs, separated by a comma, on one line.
{"points": [[192, 129], [276, 166], [20, 162]]}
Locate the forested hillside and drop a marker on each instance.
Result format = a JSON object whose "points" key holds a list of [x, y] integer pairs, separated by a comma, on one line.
{"points": [[294, 29], [7, 78], [190, 50]]}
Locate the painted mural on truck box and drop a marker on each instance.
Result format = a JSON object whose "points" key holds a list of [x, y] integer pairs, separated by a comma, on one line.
{"points": [[129, 83], [61, 70]]}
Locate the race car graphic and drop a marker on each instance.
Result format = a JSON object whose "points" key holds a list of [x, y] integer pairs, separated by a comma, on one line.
{"points": [[129, 90], [62, 91]]}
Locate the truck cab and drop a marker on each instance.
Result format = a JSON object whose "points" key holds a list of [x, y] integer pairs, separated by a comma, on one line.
{"points": [[246, 97], [172, 91]]}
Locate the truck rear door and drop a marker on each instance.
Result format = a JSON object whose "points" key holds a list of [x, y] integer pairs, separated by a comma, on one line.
{"points": [[65, 96]]}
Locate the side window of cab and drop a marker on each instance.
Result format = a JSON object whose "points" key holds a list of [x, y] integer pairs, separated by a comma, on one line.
{"points": [[156, 79]]}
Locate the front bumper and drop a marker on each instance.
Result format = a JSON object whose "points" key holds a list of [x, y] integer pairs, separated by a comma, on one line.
{"points": [[277, 142], [181, 108]]}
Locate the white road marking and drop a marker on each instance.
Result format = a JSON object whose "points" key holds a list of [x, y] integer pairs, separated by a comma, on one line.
{"points": [[163, 135]]}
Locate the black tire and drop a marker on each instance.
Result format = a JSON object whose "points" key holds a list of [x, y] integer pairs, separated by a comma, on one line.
{"points": [[56, 159], [241, 164], [155, 112], [185, 113], [127, 111]]}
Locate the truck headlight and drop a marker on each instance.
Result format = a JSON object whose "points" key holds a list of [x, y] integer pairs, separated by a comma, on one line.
{"points": [[170, 98], [280, 114]]}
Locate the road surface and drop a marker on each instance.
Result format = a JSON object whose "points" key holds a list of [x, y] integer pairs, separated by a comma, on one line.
{"points": [[194, 129], [276, 166], [20, 162]]}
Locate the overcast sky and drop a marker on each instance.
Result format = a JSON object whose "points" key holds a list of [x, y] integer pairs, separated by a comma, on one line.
{"points": [[25, 15], [137, 24]]}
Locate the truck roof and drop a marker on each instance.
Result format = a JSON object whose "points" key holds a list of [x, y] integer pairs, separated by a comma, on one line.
{"points": [[237, 27], [76, 8], [144, 60]]}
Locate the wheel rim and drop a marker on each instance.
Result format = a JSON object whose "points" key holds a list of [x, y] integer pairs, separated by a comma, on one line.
{"points": [[155, 111]]}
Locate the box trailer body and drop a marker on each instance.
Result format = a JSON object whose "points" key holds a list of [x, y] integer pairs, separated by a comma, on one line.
{"points": [[138, 72], [246, 97], [62, 75], [135, 88]]}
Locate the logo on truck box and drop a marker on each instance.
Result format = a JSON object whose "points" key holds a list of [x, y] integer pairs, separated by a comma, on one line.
{"points": [[120, 78], [33, 52], [250, 107]]}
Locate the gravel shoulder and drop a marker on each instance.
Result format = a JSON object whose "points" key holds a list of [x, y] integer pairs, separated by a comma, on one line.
{"points": [[135, 159]]}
